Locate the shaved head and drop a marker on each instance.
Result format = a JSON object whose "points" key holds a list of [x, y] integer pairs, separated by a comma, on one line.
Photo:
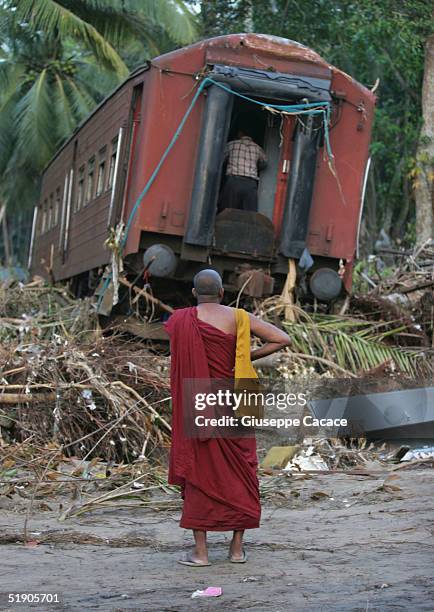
{"points": [[208, 283]]}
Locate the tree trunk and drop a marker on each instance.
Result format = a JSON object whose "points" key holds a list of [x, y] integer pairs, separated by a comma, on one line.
{"points": [[369, 232], [248, 19], [425, 155]]}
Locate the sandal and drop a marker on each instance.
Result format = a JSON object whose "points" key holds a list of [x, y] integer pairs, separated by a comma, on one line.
{"points": [[188, 560], [242, 560]]}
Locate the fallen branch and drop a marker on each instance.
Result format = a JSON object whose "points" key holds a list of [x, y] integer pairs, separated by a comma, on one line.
{"points": [[26, 398], [147, 296]]}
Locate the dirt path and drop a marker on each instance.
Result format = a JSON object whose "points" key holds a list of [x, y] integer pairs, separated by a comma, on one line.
{"points": [[355, 548]]}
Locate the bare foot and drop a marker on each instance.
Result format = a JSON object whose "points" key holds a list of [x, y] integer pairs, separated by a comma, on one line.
{"points": [[236, 551]]}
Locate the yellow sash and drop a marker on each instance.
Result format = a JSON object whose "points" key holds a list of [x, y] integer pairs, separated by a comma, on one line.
{"points": [[246, 377]]}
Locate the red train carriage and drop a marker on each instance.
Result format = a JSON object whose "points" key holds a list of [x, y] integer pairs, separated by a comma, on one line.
{"points": [[309, 206]]}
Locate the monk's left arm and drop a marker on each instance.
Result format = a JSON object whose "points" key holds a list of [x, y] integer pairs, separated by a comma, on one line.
{"points": [[274, 338]]}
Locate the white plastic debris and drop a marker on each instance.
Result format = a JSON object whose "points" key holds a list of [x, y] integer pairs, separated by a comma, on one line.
{"points": [[307, 460], [138, 485], [426, 452]]}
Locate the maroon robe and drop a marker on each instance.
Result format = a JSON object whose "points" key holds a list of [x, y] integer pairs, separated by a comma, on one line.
{"points": [[217, 475]]}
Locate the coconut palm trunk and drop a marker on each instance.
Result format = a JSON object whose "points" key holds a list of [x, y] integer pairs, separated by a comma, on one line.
{"points": [[424, 185]]}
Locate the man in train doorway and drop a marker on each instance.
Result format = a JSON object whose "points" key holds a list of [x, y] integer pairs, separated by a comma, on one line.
{"points": [[217, 475], [245, 158]]}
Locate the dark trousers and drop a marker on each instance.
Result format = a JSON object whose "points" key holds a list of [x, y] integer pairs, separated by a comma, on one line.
{"points": [[239, 192]]}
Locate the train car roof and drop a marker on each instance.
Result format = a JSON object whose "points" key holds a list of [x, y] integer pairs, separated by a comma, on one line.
{"points": [[274, 45]]}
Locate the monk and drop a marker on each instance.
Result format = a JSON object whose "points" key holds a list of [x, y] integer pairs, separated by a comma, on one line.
{"points": [[217, 476]]}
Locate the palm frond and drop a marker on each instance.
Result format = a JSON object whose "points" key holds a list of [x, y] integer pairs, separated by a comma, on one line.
{"points": [[51, 17], [136, 19], [11, 74], [114, 22], [64, 109], [7, 140], [94, 83], [35, 123], [81, 100], [174, 16], [354, 345]]}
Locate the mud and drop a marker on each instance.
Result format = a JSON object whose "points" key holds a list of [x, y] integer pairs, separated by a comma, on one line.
{"points": [[333, 542]]}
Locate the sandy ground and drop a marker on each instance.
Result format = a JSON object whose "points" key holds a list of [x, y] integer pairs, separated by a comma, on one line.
{"points": [[332, 542]]}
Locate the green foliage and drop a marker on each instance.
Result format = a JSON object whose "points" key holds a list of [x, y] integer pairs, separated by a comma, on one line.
{"points": [[356, 346], [46, 89], [103, 27], [221, 17], [369, 267], [58, 59]]}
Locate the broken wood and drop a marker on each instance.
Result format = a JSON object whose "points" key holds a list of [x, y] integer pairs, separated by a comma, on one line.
{"points": [[147, 296], [26, 398], [416, 287], [141, 329], [288, 291]]}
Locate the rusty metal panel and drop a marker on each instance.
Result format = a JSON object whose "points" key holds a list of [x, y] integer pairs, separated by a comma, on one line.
{"points": [[88, 227], [76, 243], [165, 207], [333, 222], [46, 254]]}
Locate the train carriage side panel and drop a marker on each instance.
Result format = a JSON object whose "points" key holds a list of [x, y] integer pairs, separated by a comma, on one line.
{"points": [[97, 141], [45, 256], [165, 207], [92, 167], [336, 206]]}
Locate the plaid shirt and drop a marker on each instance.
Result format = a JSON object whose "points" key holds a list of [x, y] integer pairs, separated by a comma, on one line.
{"points": [[243, 156]]}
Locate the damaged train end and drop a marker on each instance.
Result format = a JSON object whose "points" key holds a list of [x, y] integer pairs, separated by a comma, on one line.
{"points": [[137, 185]]}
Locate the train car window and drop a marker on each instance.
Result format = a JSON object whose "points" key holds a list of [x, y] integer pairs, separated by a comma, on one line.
{"points": [[101, 171], [38, 228], [80, 189], [37, 220], [113, 156], [50, 213], [90, 179], [57, 207], [44, 217]]}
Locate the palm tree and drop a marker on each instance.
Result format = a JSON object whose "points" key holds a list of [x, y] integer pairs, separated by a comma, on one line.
{"points": [[101, 27], [58, 59], [44, 95]]}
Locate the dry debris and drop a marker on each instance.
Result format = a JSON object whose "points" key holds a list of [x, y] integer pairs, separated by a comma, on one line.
{"points": [[333, 454], [84, 416], [406, 295], [62, 381], [46, 478]]}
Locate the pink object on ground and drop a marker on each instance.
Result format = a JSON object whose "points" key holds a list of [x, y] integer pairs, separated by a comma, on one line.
{"points": [[208, 592]]}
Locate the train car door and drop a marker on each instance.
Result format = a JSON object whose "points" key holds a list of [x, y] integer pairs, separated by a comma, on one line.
{"points": [[281, 185], [268, 177]]}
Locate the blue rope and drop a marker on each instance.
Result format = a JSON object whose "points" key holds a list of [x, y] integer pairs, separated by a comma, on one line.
{"points": [[302, 109]]}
